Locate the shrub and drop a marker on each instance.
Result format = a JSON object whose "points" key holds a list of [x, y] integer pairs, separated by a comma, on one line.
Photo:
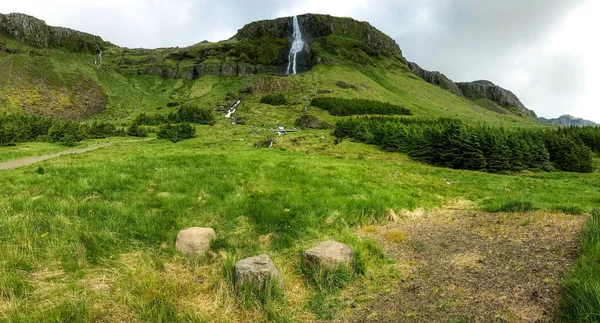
{"points": [[273, 99], [194, 114], [176, 133], [136, 131], [348, 107]]}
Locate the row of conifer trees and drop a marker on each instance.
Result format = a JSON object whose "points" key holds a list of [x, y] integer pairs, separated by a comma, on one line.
{"points": [[175, 126], [450, 143], [15, 128]]}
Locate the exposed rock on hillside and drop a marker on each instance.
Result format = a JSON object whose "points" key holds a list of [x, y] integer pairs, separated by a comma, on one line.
{"points": [[35, 32], [568, 120], [317, 26], [436, 78], [488, 90], [262, 47], [475, 91]]}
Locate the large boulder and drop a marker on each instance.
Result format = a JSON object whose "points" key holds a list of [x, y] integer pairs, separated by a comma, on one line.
{"points": [[195, 240], [329, 254], [310, 122], [256, 271]]}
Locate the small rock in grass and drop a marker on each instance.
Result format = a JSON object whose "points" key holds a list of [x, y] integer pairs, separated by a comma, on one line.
{"points": [[256, 271], [329, 254], [195, 240]]}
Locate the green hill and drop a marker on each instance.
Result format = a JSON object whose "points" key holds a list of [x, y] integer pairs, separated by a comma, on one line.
{"points": [[59, 78]]}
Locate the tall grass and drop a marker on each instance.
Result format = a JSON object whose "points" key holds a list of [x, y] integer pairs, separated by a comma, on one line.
{"points": [[581, 288]]}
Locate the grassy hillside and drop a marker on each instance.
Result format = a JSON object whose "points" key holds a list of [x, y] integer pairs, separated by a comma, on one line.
{"points": [[64, 84]]}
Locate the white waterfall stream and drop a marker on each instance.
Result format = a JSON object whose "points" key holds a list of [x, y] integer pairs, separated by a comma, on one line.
{"points": [[232, 110], [297, 47]]}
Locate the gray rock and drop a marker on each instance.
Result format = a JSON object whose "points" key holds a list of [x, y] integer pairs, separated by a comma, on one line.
{"points": [[488, 90], [329, 254], [35, 32], [256, 271], [436, 78], [195, 240]]}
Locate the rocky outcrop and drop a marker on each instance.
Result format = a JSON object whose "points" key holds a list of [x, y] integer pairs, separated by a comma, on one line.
{"points": [[317, 26], [436, 78], [568, 121], [35, 32], [488, 90]]}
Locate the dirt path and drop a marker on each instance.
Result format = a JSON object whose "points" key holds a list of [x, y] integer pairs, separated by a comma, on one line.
{"points": [[466, 266], [32, 160]]}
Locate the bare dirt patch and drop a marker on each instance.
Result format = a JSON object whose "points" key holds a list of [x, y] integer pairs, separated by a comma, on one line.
{"points": [[467, 266]]}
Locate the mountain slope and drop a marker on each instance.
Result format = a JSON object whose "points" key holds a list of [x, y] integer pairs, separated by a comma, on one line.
{"points": [[568, 120], [60, 73]]}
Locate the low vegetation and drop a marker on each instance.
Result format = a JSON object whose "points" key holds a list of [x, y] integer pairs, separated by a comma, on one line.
{"points": [[450, 143], [581, 288], [348, 107], [16, 128], [187, 113], [274, 99]]}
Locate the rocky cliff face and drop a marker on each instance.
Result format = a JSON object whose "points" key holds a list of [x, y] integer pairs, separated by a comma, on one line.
{"points": [[474, 90], [488, 90], [35, 32], [259, 47], [568, 120], [317, 26], [436, 78]]}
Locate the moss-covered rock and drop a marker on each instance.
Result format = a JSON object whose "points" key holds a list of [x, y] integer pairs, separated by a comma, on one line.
{"points": [[35, 32]]}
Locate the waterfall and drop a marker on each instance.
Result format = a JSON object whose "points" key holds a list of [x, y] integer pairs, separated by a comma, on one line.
{"points": [[297, 47], [232, 110]]}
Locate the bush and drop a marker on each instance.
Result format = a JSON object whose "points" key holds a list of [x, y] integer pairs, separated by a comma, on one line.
{"points": [[176, 133], [194, 114], [136, 131], [348, 107], [273, 99], [15, 128]]}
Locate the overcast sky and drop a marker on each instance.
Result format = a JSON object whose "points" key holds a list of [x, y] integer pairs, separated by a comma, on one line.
{"points": [[545, 51]]}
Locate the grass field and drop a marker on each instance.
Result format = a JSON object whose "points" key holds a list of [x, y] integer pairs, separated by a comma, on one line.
{"points": [[91, 237], [99, 228]]}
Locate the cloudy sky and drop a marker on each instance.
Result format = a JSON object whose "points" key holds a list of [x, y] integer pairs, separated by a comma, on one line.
{"points": [[545, 51]]}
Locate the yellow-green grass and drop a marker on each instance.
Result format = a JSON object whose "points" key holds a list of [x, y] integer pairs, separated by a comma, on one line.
{"points": [[92, 238]]}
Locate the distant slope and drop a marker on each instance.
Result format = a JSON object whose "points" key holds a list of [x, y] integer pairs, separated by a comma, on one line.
{"points": [[484, 93], [567, 121], [56, 73]]}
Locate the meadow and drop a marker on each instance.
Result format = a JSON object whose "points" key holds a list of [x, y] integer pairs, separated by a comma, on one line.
{"points": [[91, 236]]}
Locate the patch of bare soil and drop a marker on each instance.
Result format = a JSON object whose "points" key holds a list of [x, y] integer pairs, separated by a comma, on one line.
{"points": [[467, 266]]}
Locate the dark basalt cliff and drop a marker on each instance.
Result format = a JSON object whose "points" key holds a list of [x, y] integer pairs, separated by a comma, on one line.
{"points": [[436, 78], [474, 90], [259, 47], [35, 32], [488, 90]]}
